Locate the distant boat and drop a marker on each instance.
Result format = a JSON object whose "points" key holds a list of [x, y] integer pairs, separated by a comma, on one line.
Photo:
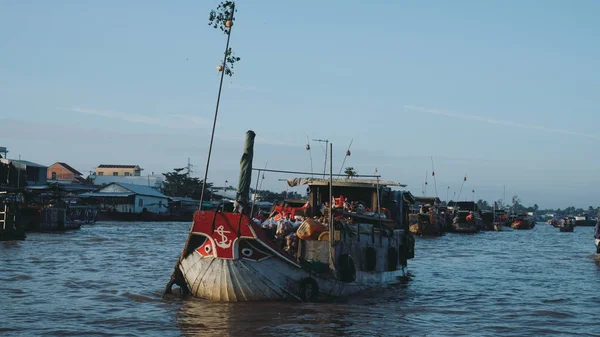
{"points": [[522, 222], [584, 220], [566, 228], [466, 222], [467, 219], [428, 220]]}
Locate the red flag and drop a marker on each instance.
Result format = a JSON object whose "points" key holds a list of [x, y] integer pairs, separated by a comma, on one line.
{"points": [[433, 173]]}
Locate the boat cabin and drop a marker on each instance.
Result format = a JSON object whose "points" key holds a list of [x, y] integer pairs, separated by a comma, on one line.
{"points": [[367, 199], [466, 206], [433, 202]]}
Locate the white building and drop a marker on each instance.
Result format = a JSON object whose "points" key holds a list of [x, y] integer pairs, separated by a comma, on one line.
{"points": [[155, 181], [129, 198]]}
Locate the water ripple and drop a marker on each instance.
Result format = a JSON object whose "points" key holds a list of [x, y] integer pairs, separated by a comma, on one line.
{"points": [[107, 280]]}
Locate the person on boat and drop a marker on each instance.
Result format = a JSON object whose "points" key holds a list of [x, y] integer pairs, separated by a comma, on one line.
{"points": [[346, 205], [597, 229], [469, 217], [325, 210]]}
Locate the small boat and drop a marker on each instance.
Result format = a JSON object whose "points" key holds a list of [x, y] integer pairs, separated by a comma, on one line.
{"points": [[426, 219], [566, 228], [466, 222], [498, 227], [585, 220], [487, 220], [522, 222], [566, 225], [501, 218], [467, 218]]}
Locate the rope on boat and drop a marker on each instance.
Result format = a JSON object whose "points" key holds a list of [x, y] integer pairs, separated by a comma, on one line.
{"points": [[309, 155], [433, 174], [461, 187], [346, 156], [308, 173]]}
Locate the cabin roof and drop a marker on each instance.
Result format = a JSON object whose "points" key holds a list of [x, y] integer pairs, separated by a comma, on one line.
{"points": [[342, 182], [430, 200]]}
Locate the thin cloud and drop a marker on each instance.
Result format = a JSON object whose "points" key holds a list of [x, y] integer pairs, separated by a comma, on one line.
{"points": [[174, 121], [498, 122]]}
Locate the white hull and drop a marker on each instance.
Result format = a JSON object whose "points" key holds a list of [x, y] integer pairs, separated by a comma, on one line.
{"points": [[227, 280]]}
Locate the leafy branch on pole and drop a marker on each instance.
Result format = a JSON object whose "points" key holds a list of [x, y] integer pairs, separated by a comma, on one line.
{"points": [[222, 19]]}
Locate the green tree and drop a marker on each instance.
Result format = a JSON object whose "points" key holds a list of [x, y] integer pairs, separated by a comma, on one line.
{"points": [[181, 185], [350, 172], [483, 205]]}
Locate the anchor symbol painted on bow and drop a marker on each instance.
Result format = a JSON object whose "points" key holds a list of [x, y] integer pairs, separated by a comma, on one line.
{"points": [[225, 242]]}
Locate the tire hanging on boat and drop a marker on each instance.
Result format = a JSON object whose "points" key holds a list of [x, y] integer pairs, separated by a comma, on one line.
{"points": [[309, 290], [392, 259], [346, 268], [370, 259]]}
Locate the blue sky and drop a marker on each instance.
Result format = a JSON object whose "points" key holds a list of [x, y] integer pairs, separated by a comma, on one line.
{"points": [[504, 91]]}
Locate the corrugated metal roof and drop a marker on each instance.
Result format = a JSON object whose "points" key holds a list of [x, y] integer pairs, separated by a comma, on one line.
{"points": [[105, 194], [142, 190], [27, 163]]}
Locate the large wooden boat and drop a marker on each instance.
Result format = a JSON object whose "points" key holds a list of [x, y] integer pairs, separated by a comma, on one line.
{"points": [[229, 257], [426, 218]]}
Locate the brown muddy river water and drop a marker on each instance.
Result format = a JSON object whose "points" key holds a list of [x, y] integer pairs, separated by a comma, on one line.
{"points": [[107, 279]]}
